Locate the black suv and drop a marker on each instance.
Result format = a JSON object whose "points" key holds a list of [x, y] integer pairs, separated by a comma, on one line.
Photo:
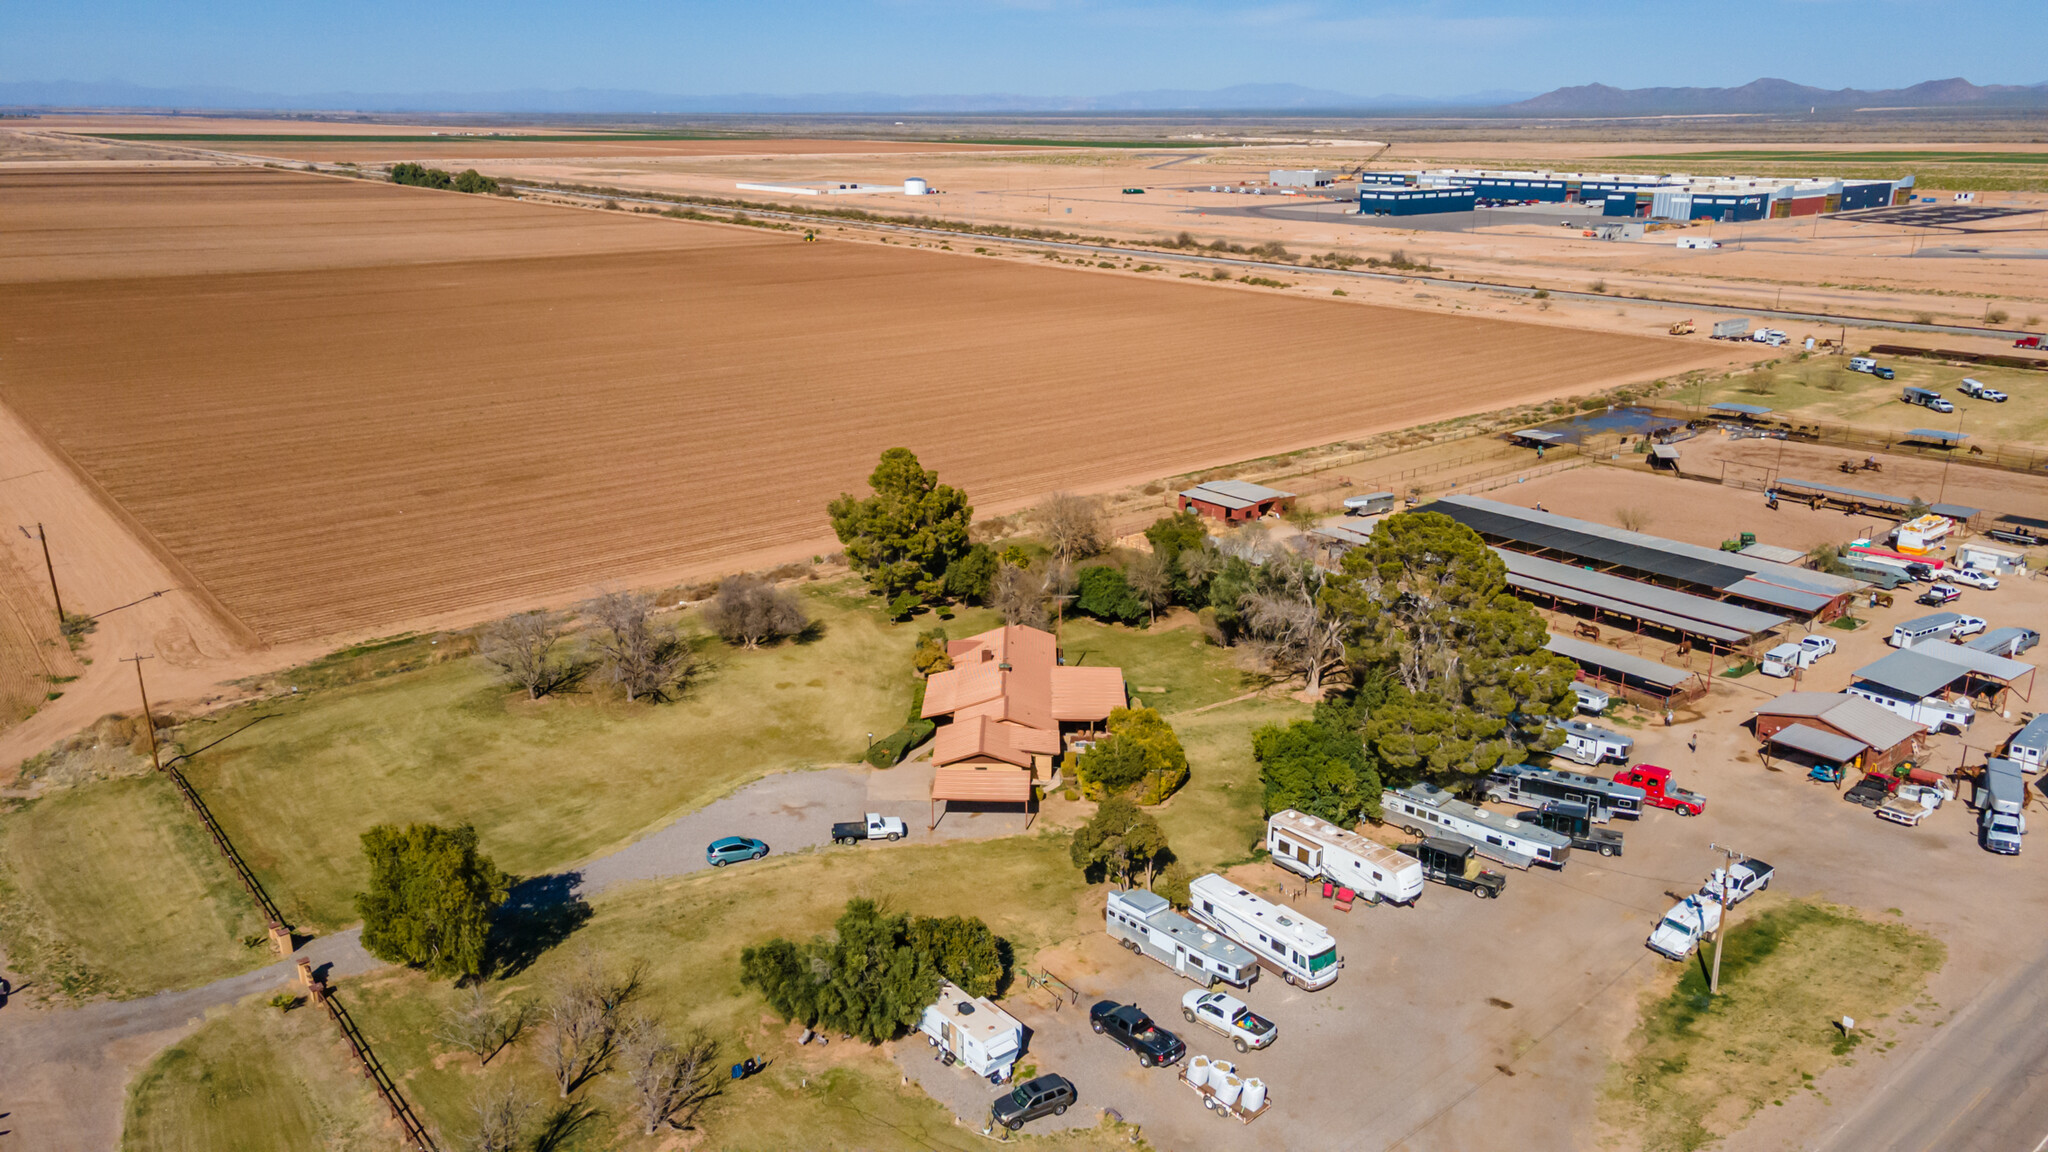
{"points": [[1047, 1095], [1128, 1026]]}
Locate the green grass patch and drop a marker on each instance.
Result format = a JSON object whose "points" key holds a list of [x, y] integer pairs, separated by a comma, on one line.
{"points": [[1737, 671], [1823, 388], [1192, 671], [1219, 815], [114, 889], [253, 1079], [689, 932], [1699, 1066]]}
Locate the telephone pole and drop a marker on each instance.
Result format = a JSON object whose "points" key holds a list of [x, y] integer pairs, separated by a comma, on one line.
{"points": [[1721, 932], [44, 539], [147, 719]]}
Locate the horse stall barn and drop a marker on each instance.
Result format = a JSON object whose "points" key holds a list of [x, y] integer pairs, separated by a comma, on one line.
{"points": [[1235, 500]]}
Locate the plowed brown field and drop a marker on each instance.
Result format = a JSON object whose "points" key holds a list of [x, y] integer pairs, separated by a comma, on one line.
{"points": [[375, 405]]}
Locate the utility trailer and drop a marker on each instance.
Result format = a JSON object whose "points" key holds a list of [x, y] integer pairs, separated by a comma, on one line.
{"points": [[1427, 810], [1737, 329], [1212, 1099]]}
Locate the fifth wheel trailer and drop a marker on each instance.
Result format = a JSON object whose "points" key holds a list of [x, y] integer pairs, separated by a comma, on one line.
{"points": [[1321, 850], [1144, 922]]}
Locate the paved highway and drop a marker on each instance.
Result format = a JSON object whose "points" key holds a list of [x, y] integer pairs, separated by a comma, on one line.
{"points": [[1981, 1085]]}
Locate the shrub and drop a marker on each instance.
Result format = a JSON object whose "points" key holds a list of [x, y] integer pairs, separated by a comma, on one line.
{"points": [[470, 180], [1106, 594], [430, 899], [1141, 752], [749, 610], [970, 575], [930, 654], [890, 750], [420, 177]]}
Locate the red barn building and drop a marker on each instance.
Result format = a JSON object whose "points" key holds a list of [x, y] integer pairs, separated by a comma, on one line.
{"points": [[1235, 500]]}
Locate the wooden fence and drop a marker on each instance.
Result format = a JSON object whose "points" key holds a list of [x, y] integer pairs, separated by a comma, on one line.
{"points": [[373, 1070]]}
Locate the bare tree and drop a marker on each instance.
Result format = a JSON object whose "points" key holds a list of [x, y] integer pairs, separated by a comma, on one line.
{"points": [[748, 610], [1633, 519], [1073, 526], [1152, 580], [1019, 594], [580, 1026], [670, 1079], [1295, 628], [644, 658], [501, 1117], [480, 1026], [523, 648]]}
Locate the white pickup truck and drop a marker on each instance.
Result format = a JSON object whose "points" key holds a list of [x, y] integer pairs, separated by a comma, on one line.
{"points": [[1744, 878], [1682, 929], [1818, 646], [875, 827]]}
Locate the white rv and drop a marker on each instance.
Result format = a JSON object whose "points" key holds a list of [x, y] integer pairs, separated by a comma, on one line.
{"points": [[1925, 629], [1144, 922], [1300, 949], [1936, 713], [1428, 810], [971, 1030], [1321, 850]]}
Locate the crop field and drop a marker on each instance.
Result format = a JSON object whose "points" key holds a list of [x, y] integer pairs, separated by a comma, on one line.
{"points": [[346, 406]]}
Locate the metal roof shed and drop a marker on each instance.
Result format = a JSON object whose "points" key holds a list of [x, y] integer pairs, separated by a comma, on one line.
{"points": [[1607, 665], [1680, 611], [1774, 553], [2003, 670], [1954, 511], [1910, 673], [1814, 742]]}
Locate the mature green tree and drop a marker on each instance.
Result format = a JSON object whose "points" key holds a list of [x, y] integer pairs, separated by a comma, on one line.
{"points": [[1468, 682], [1141, 751], [430, 898], [905, 536], [1106, 594], [1318, 766], [421, 176], [869, 979], [1117, 839], [963, 950], [971, 574], [1170, 537], [470, 180]]}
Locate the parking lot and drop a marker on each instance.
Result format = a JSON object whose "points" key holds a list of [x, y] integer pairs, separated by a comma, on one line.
{"points": [[1467, 1023]]}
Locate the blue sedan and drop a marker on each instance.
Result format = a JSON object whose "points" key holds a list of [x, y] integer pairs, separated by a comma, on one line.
{"points": [[731, 848]]}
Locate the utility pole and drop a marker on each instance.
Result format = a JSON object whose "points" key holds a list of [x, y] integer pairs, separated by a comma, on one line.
{"points": [[147, 718], [44, 539], [1721, 933]]}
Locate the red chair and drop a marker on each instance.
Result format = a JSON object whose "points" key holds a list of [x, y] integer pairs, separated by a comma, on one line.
{"points": [[1344, 898], [1328, 888]]}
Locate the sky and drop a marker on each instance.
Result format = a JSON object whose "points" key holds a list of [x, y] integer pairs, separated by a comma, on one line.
{"points": [[1053, 48]]}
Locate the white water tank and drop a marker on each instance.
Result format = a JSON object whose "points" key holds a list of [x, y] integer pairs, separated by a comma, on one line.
{"points": [[1254, 1096], [1198, 1071], [1228, 1089], [915, 187]]}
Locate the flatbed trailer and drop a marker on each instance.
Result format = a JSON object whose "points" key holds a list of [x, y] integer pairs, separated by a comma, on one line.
{"points": [[1216, 1105]]}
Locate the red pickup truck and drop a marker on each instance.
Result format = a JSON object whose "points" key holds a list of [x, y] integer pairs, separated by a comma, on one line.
{"points": [[1658, 790]]}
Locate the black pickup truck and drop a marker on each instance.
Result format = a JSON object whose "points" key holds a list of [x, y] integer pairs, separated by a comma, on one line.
{"points": [[1575, 821], [1128, 1025], [1457, 865]]}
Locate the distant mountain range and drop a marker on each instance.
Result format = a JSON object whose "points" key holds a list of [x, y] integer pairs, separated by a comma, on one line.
{"points": [[1763, 96], [1239, 98], [1758, 96]]}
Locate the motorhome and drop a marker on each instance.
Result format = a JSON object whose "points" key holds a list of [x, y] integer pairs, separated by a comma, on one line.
{"points": [[1144, 922], [1293, 945], [971, 1030], [1590, 744], [1528, 786], [1428, 810], [1321, 850], [1925, 629]]}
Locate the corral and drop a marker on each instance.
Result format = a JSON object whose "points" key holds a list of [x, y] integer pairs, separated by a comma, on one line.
{"points": [[439, 406]]}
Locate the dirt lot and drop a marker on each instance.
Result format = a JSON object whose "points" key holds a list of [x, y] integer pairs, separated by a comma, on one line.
{"points": [[525, 422]]}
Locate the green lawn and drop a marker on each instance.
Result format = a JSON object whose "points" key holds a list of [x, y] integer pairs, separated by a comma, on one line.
{"points": [[546, 783], [1699, 1066], [1822, 387], [689, 932], [1219, 815], [114, 889], [253, 1079]]}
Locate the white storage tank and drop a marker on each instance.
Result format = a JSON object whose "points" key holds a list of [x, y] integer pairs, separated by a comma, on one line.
{"points": [[915, 187]]}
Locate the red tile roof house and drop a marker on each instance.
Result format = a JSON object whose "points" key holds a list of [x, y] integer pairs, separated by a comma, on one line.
{"points": [[1006, 710]]}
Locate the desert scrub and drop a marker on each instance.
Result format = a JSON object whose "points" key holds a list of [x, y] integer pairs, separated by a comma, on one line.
{"points": [[1699, 1066]]}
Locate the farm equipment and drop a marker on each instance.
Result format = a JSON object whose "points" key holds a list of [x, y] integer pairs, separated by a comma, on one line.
{"points": [[1683, 328]]}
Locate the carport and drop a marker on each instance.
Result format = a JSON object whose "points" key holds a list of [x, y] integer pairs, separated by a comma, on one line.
{"points": [[1824, 747], [979, 785], [1626, 673]]}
